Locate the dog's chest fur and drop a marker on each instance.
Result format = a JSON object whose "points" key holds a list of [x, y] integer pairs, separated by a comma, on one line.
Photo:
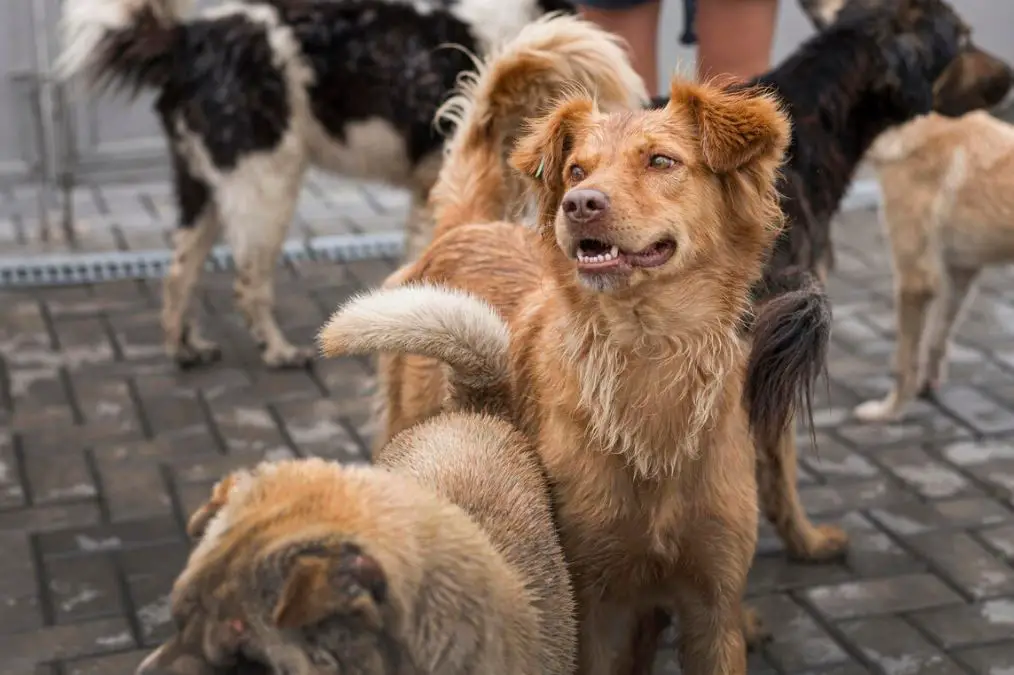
{"points": [[635, 445]]}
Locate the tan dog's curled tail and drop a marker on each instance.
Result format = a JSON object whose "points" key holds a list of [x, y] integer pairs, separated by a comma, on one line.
{"points": [[552, 57], [442, 323]]}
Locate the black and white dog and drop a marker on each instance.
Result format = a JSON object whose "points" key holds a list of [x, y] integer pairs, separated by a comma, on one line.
{"points": [[253, 93]]}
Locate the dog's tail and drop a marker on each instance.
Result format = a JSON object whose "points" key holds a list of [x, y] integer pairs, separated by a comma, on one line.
{"points": [[442, 323], [549, 58], [126, 43], [790, 334]]}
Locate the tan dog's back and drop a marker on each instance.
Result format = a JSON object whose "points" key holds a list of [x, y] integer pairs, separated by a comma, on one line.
{"points": [[954, 176], [948, 208], [487, 468]]}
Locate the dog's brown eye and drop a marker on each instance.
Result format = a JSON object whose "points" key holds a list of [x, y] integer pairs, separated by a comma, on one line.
{"points": [[661, 162], [576, 173]]}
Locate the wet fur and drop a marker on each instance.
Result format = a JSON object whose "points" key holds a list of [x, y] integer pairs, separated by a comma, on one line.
{"points": [[252, 94], [637, 416]]}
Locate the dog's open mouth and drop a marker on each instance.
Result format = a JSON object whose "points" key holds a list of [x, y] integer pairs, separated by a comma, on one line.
{"points": [[595, 255]]}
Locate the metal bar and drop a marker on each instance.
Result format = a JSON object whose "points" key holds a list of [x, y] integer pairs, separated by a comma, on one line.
{"points": [[39, 14]]}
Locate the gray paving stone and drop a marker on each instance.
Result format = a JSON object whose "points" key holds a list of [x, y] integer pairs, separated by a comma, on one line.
{"points": [[964, 625], [1001, 540], [930, 478], [881, 596], [994, 660], [966, 563], [898, 649], [798, 641], [913, 517]]}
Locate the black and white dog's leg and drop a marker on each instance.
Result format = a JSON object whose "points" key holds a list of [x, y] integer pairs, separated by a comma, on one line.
{"points": [[257, 208], [198, 230]]}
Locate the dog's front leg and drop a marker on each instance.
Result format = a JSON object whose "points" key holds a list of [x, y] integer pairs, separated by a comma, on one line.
{"points": [[605, 631], [712, 641]]}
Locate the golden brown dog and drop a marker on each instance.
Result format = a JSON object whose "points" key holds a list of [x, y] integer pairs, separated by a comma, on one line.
{"points": [[948, 208], [444, 559], [623, 357]]}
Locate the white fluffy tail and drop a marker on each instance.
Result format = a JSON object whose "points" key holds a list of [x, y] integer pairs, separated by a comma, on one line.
{"points": [[550, 58], [439, 322], [125, 40]]}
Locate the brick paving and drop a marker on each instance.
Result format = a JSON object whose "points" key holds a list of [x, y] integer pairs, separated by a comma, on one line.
{"points": [[140, 215], [105, 449]]}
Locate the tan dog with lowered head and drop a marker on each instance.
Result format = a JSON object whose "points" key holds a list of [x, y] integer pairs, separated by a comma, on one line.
{"points": [[948, 209], [625, 363], [442, 558]]}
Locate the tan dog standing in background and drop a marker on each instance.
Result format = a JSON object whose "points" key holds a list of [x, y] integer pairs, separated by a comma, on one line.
{"points": [[624, 362], [948, 209]]}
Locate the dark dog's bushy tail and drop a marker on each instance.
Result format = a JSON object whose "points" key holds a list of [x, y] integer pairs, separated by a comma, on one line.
{"points": [[123, 43], [790, 333]]}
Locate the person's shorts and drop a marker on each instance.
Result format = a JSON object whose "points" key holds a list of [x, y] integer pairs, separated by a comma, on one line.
{"points": [[611, 4]]}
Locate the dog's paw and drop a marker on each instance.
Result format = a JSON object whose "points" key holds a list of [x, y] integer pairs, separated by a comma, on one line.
{"points": [[288, 356], [828, 543], [754, 631], [880, 410], [195, 354], [928, 390]]}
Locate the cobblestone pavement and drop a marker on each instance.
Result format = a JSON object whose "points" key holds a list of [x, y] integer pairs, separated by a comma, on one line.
{"points": [[140, 215], [105, 449]]}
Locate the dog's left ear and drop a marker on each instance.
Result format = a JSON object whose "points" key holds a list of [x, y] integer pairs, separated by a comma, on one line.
{"points": [[541, 154], [735, 128], [198, 522]]}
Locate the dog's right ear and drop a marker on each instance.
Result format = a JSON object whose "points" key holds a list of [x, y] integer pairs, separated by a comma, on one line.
{"points": [[541, 154], [325, 580], [198, 522]]}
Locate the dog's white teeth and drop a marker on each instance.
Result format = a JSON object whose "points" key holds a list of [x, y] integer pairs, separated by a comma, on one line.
{"points": [[613, 253]]}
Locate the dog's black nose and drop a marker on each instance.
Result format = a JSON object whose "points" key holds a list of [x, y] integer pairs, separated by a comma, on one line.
{"points": [[584, 206]]}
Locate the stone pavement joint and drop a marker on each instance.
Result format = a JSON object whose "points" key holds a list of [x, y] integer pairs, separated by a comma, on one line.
{"points": [[105, 449]]}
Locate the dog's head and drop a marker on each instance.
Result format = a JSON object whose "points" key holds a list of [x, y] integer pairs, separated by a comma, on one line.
{"points": [[283, 579], [931, 59], [636, 198]]}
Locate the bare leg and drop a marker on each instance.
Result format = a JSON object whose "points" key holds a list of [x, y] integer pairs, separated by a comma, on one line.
{"points": [[192, 243], [735, 37], [779, 497], [954, 295], [638, 25]]}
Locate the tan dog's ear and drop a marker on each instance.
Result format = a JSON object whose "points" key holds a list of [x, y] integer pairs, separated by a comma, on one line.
{"points": [[734, 127], [327, 582], [198, 522], [540, 155]]}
